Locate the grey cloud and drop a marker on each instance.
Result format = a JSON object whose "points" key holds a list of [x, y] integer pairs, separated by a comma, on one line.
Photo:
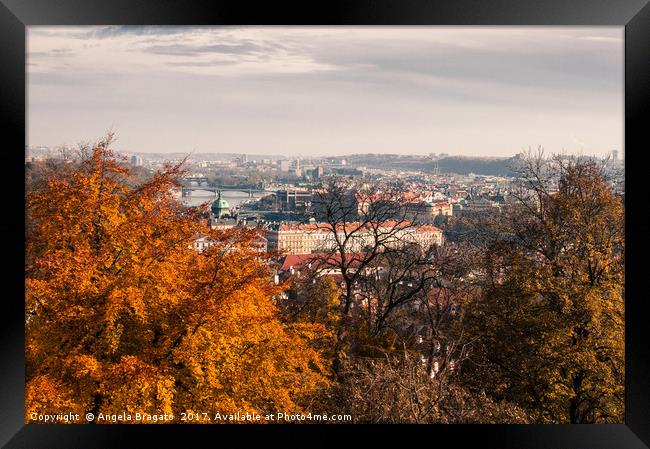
{"points": [[349, 91], [132, 30], [245, 48], [63, 77], [199, 63], [103, 32], [56, 52], [581, 66]]}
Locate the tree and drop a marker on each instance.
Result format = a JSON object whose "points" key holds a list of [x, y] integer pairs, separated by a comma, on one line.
{"points": [[314, 299], [384, 269], [122, 315], [550, 320], [397, 389]]}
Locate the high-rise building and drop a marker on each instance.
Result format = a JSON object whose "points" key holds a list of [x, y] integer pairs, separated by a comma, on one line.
{"points": [[285, 165], [295, 168], [136, 161], [614, 155], [436, 167]]}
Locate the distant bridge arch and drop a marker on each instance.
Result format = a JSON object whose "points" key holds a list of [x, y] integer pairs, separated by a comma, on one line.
{"points": [[186, 190]]}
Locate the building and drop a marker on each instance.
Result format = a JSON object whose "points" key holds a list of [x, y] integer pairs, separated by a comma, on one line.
{"points": [[292, 199], [476, 206], [443, 208], [220, 206], [285, 165], [136, 161], [201, 243], [322, 264], [222, 224], [412, 206], [295, 168], [319, 237]]}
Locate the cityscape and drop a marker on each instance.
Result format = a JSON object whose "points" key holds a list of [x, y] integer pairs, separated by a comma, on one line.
{"points": [[325, 225], [280, 196]]}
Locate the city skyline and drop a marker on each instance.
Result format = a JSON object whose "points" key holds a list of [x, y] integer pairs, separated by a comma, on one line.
{"points": [[329, 91]]}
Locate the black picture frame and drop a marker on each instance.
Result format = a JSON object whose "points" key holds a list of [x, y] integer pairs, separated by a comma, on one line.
{"points": [[15, 15]]}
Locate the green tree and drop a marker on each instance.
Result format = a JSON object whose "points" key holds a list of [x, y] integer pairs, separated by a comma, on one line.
{"points": [[550, 320]]}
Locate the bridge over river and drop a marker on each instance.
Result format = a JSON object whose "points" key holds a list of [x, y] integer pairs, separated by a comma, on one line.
{"points": [[250, 190]]}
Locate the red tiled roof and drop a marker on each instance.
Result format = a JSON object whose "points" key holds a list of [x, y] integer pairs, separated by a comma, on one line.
{"points": [[389, 196], [326, 227], [297, 261]]}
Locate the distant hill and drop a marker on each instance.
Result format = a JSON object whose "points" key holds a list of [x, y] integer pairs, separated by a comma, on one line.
{"points": [[480, 166], [207, 156], [451, 164]]}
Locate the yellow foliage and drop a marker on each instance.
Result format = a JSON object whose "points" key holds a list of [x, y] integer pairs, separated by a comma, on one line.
{"points": [[552, 328], [123, 316]]}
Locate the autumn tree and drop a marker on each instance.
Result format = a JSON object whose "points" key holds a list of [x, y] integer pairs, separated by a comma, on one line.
{"points": [[123, 315], [550, 319], [313, 299]]}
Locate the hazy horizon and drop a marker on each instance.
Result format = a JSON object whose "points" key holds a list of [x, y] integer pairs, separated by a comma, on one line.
{"points": [[328, 91]]}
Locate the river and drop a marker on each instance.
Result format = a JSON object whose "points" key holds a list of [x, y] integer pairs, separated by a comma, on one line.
{"points": [[234, 198]]}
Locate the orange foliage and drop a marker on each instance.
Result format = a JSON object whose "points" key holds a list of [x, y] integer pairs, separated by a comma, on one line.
{"points": [[122, 316]]}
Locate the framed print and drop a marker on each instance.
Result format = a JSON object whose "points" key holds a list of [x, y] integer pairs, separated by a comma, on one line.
{"points": [[349, 217]]}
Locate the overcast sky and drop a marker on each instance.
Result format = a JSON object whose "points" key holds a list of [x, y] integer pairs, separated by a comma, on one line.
{"points": [[328, 90]]}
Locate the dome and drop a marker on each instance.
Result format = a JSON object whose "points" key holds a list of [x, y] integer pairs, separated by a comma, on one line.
{"points": [[220, 206]]}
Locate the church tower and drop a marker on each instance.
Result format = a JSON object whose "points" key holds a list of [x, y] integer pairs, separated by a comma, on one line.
{"points": [[220, 206]]}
